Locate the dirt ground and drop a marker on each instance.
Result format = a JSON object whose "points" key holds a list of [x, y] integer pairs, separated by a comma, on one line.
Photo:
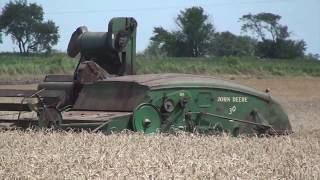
{"points": [[61, 155]]}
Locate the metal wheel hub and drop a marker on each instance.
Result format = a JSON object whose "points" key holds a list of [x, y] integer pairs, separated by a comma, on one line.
{"points": [[146, 118]]}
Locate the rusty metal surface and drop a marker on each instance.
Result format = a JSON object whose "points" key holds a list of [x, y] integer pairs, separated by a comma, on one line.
{"points": [[69, 116], [110, 96], [89, 72], [92, 115], [57, 92], [154, 81], [58, 78]]}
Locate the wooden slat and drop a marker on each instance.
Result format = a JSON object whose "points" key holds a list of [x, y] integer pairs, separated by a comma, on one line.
{"points": [[92, 115], [28, 93], [16, 93], [14, 107], [59, 78]]}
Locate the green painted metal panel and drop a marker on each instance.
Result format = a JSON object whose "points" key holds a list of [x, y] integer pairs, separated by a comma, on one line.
{"points": [[211, 109], [201, 107], [116, 125]]}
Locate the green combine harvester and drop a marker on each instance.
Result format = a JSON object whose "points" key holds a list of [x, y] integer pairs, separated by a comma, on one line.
{"points": [[105, 95]]}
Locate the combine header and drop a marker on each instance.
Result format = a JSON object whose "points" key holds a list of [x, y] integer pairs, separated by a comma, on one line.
{"points": [[104, 95]]}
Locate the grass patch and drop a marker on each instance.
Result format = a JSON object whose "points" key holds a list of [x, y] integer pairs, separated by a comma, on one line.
{"points": [[16, 67], [13, 66], [230, 65]]}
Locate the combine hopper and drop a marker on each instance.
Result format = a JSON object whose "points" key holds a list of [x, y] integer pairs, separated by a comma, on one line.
{"points": [[105, 95]]}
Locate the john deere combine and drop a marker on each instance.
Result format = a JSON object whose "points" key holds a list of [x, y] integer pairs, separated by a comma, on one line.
{"points": [[104, 95]]}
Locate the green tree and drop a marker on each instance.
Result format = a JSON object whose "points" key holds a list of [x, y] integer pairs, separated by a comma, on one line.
{"points": [[265, 25], [24, 22], [228, 44], [154, 50], [193, 37], [44, 36], [314, 57], [273, 37], [289, 49]]}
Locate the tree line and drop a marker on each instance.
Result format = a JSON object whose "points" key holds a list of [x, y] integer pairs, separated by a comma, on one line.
{"points": [[195, 36]]}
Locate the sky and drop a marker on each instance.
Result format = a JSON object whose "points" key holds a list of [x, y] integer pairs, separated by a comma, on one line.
{"points": [[301, 16]]}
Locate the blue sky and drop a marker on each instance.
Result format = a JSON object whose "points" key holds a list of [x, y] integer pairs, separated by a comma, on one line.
{"points": [[301, 16]]}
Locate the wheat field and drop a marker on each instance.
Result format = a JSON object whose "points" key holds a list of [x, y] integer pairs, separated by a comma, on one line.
{"points": [[67, 155]]}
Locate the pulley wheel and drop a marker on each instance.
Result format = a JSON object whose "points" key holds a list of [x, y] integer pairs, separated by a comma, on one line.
{"points": [[146, 118]]}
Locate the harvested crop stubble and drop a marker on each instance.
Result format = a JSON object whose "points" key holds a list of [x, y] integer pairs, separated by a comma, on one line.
{"points": [[61, 155], [67, 155]]}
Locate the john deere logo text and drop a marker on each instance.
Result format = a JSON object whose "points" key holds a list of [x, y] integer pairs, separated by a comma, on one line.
{"points": [[233, 99]]}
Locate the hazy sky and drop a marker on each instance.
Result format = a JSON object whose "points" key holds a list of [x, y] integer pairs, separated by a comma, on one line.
{"points": [[301, 16]]}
